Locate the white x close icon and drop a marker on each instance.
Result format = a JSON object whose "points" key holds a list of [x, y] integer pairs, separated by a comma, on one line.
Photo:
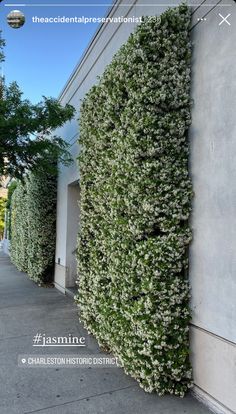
{"points": [[224, 19]]}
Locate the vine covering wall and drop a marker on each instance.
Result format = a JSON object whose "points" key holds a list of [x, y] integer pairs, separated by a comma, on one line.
{"points": [[135, 203], [34, 226]]}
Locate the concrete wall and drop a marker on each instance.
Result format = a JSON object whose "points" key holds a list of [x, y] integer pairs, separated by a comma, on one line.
{"points": [[212, 263]]}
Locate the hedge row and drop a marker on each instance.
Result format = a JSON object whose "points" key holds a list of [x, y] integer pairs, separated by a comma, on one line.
{"points": [[135, 203], [33, 225]]}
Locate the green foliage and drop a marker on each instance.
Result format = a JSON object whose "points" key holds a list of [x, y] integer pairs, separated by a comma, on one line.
{"points": [[34, 226], [19, 228], [11, 188], [26, 133], [135, 203], [2, 215]]}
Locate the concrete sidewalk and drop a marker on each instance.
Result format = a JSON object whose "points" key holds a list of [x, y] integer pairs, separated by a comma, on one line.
{"points": [[26, 310]]}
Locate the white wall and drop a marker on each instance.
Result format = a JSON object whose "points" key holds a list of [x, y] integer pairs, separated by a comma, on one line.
{"points": [[73, 221], [213, 168], [213, 149]]}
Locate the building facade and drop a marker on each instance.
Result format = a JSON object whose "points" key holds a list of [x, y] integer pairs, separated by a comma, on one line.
{"points": [[213, 171], [3, 186]]}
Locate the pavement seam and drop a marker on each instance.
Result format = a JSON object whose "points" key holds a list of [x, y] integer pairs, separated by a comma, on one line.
{"points": [[80, 399]]}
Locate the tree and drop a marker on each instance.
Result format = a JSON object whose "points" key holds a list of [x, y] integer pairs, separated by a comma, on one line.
{"points": [[26, 131]]}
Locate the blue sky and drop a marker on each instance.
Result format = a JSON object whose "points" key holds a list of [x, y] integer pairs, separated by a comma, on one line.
{"points": [[41, 57]]}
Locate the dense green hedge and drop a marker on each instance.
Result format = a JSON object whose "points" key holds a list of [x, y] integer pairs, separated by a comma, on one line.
{"points": [[34, 226], [135, 203], [19, 228], [11, 188]]}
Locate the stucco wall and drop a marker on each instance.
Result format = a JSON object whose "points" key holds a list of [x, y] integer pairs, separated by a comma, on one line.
{"points": [[212, 144], [213, 169]]}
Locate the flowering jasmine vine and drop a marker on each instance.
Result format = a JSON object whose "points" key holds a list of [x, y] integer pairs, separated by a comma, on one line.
{"points": [[34, 226], [135, 203]]}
